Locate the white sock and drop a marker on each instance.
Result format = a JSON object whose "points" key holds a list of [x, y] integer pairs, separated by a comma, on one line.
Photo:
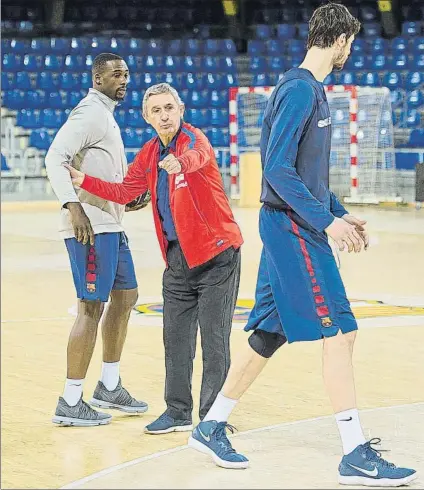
{"points": [[110, 375], [73, 391], [221, 408], [350, 429]]}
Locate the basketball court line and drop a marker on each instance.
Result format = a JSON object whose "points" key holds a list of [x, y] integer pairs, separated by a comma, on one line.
{"points": [[115, 468]]}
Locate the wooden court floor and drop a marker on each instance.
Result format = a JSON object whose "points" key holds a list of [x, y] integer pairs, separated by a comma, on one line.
{"points": [[385, 285]]}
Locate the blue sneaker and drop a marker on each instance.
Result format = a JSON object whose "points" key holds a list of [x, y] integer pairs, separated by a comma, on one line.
{"points": [[365, 466], [166, 423], [210, 438]]}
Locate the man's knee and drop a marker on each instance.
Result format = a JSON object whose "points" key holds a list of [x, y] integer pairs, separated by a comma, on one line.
{"points": [[91, 309], [266, 343], [124, 298]]}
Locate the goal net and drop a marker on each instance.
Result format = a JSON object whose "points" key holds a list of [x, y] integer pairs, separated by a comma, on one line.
{"points": [[362, 160]]}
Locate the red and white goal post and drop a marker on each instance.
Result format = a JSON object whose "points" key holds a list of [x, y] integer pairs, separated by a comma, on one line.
{"points": [[362, 162]]}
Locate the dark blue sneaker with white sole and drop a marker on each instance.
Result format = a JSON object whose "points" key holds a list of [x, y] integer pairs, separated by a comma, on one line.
{"points": [[165, 424], [211, 438], [365, 466]]}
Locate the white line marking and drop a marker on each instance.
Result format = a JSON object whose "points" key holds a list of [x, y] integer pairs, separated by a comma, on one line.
{"points": [[118, 467]]}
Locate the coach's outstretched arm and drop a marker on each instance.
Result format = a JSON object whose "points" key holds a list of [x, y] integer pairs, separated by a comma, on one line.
{"points": [[292, 112], [133, 185]]}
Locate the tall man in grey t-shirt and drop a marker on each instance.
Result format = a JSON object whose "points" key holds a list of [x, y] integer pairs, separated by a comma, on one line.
{"points": [[101, 262]]}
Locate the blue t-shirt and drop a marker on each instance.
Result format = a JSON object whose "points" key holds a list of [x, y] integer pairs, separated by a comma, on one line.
{"points": [[164, 207], [295, 150]]}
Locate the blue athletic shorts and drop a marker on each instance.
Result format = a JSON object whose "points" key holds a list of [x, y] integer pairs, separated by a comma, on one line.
{"points": [[99, 269], [299, 291]]}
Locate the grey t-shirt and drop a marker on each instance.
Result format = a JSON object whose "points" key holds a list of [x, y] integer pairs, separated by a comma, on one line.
{"points": [[90, 141]]}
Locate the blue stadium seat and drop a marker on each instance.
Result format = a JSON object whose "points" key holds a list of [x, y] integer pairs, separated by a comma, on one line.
{"points": [[88, 62], [19, 46], [148, 79], [193, 47], [46, 81], [261, 80], [416, 138], [411, 28], [218, 98], [369, 79], [213, 81], [277, 64], [137, 47], [303, 30], [146, 134], [197, 99], [155, 47], [274, 47], [257, 64], [263, 31], [53, 63], [397, 97], [15, 99], [172, 79], [218, 137], [418, 62], [129, 138], [4, 166], [392, 80], [359, 62], [85, 80], [134, 63], [11, 62], [60, 45], [74, 98], [413, 119], [150, 64], [418, 45], [172, 63], [120, 117], [40, 139], [367, 13], [79, 46], [28, 119], [36, 99], [213, 47], [286, 31], [399, 45], [255, 48], [52, 119], [379, 45], [378, 61], [33, 62], [99, 45], [347, 78], [75, 63], [192, 81], [227, 47], [56, 100], [175, 47], [415, 99], [197, 117], [134, 98], [399, 62], [296, 47], [134, 119], [414, 79], [188, 64], [359, 46], [371, 29], [69, 80], [210, 64], [229, 80], [23, 80], [219, 117], [6, 81], [227, 65]]}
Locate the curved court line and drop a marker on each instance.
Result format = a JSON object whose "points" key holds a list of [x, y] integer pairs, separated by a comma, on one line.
{"points": [[133, 462]]}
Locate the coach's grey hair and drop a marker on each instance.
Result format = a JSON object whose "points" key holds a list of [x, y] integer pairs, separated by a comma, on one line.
{"points": [[160, 88]]}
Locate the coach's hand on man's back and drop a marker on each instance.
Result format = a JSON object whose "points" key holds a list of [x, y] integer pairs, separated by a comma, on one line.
{"points": [[82, 227], [345, 234], [171, 164]]}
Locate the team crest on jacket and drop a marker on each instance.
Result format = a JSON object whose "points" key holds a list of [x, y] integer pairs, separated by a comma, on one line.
{"points": [[180, 181]]}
